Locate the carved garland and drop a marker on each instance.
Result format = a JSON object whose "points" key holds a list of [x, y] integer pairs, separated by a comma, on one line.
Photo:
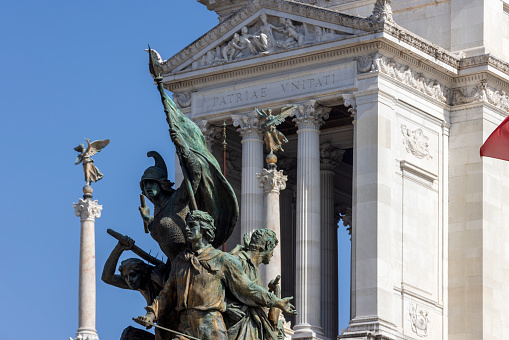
{"points": [[404, 74]]}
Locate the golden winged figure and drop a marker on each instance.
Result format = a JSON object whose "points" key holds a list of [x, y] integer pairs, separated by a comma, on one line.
{"points": [[273, 138], [92, 174]]}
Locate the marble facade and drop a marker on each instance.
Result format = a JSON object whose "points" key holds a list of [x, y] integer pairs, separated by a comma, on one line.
{"points": [[396, 98]]}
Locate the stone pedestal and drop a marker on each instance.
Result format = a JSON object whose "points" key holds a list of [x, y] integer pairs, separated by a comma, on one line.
{"points": [[251, 201], [88, 211], [272, 182], [308, 119]]}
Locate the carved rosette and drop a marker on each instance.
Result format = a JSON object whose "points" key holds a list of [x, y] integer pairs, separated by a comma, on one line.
{"points": [[210, 132], [87, 210], [272, 180], [249, 125], [183, 99], [310, 115], [330, 156]]}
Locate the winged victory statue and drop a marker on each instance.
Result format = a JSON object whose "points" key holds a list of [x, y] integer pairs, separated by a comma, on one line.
{"points": [[273, 138], [92, 173]]}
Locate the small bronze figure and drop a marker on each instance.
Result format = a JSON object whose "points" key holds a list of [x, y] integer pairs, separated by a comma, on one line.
{"points": [[92, 173], [273, 138]]}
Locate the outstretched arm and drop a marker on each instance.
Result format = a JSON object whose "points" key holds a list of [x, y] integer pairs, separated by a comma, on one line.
{"points": [[109, 275]]}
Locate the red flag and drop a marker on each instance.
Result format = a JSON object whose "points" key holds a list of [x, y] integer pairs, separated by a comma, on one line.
{"points": [[497, 144]]}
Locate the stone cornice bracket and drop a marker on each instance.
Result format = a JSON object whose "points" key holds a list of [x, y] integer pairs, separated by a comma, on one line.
{"points": [[249, 125], [271, 180], [87, 210], [349, 101], [330, 156], [310, 115], [183, 99], [210, 132], [382, 12]]}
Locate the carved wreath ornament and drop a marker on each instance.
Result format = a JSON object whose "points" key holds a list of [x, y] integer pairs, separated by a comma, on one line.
{"points": [[416, 142], [419, 320]]}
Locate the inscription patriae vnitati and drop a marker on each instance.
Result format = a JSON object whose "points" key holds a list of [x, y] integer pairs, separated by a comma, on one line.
{"points": [[320, 82]]}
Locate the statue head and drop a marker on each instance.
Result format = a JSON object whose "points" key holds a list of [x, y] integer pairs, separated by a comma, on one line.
{"points": [[262, 241], [155, 178], [204, 221], [135, 272]]}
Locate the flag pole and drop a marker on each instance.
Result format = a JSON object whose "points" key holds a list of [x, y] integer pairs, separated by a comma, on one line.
{"points": [[224, 161], [159, 80]]}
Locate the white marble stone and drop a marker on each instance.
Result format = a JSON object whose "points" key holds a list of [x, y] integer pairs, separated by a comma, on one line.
{"points": [[251, 206], [88, 211], [308, 118], [272, 182]]}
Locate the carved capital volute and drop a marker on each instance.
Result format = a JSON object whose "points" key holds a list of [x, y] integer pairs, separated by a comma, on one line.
{"points": [[310, 115], [87, 210], [210, 132], [349, 101], [249, 125], [272, 180], [330, 156]]}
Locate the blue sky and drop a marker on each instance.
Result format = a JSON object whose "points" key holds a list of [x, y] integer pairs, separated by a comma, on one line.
{"points": [[70, 70]]}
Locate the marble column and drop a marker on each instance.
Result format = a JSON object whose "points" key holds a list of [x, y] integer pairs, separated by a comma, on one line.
{"points": [[272, 182], [88, 211], [251, 198], [330, 157], [308, 118]]}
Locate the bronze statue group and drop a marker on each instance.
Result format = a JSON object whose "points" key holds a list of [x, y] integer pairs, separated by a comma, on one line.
{"points": [[200, 292]]}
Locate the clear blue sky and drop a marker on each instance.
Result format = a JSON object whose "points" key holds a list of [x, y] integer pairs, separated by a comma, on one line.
{"points": [[70, 70]]}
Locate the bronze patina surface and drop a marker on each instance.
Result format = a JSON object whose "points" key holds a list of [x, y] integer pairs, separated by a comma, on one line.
{"points": [[92, 173]]}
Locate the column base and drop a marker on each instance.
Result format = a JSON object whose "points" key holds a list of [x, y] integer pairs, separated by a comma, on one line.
{"points": [[86, 334], [308, 332], [372, 328]]}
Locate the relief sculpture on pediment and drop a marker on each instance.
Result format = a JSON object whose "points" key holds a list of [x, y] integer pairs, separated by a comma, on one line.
{"points": [[267, 35]]}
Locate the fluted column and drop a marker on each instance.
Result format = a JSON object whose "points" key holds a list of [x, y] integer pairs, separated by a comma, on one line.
{"points": [[251, 205], [272, 182], [88, 211], [330, 157], [308, 118]]}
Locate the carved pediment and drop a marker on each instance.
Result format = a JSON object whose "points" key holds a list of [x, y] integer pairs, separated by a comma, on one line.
{"points": [[264, 27]]}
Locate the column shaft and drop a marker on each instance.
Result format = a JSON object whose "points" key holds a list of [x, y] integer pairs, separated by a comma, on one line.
{"points": [[329, 255], [308, 267], [251, 199], [88, 211]]}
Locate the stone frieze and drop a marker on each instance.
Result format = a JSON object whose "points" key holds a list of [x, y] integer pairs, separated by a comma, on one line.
{"points": [[404, 74]]}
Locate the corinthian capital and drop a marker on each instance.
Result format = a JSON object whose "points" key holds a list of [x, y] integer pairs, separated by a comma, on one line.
{"points": [[249, 125], [210, 132], [310, 115], [87, 210], [272, 180], [330, 156]]}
